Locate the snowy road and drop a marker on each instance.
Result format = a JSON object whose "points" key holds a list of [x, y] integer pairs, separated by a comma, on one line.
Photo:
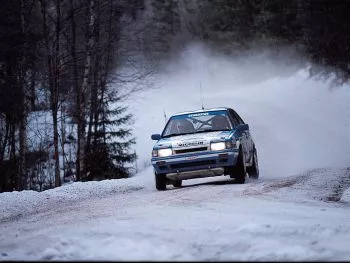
{"points": [[303, 217]]}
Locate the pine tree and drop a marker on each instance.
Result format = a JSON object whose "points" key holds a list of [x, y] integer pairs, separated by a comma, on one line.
{"points": [[111, 140]]}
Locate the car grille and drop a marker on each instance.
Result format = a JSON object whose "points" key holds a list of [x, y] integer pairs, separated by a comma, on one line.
{"points": [[191, 164], [190, 150]]}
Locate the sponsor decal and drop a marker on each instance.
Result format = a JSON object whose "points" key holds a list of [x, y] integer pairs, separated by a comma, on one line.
{"points": [[198, 114], [191, 157], [186, 144]]}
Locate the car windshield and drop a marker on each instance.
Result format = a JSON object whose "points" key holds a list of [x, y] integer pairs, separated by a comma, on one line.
{"points": [[197, 122]]}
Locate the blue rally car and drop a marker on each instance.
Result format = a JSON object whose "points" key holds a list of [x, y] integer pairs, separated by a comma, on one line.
{"points": [[204, 143]]}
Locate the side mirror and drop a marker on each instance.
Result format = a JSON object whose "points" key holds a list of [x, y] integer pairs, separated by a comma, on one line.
{"points": [[243, 127], [155, 137]]}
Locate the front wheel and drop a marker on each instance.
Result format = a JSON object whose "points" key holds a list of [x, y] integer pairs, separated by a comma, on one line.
{"points": [[160, 181], [253, 170], [239, 172]]}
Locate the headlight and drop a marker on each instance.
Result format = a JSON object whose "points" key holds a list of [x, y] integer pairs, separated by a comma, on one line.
{"points": [[217, 146], [155, 153], [165, 152]]}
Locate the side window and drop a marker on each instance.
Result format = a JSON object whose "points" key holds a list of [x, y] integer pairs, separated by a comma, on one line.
{"points": [[240, 121], [234, 120], [168, 128]]}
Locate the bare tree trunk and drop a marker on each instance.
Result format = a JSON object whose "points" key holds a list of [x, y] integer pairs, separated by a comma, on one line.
{"points": [[77, 87], [93, 113], [53, 83], [23, 117], [4, 140], [105, 68], [85, 86], [14, 180], [55, 95], [56, 151], [32, 90], [63, 139], [22, 153]]}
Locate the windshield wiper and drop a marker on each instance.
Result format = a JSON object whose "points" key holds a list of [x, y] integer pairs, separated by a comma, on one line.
{"points": [[207, 130], [210, 130], [178, 134]]}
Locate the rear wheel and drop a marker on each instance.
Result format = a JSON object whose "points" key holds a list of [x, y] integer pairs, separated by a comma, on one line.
{"points": [[160, 181], [177, 183], [253, 170], [239, 170]]}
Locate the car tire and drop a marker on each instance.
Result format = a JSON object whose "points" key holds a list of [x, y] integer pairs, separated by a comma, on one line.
{"points": [[160, 181], [239, 172], [177, 183], [253, 170]]}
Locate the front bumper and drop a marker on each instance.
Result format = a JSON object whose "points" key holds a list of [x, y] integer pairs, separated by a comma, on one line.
{"points": [[195, 165]]}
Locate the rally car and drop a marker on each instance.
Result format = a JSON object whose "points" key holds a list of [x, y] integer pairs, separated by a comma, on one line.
{"points": [[204, 143]]}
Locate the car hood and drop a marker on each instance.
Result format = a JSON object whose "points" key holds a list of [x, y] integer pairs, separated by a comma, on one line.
{"points": [[193, 140]]}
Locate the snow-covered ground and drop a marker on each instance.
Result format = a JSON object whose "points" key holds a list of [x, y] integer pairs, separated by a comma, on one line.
{"points": [[299, 208], [207, 219]]}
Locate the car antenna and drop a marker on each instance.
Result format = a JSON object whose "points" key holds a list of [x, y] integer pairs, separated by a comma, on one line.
{"points": [[200, 86], [164, 115]]}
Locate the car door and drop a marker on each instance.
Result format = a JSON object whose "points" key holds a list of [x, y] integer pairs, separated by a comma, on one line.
{"points": [[240, 131], [246, 137]]}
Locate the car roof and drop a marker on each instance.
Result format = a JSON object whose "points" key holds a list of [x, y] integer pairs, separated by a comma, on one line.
{"points": [[201, 110]]}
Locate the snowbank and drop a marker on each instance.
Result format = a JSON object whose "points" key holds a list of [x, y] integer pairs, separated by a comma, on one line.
{"points": [[17, 204]]}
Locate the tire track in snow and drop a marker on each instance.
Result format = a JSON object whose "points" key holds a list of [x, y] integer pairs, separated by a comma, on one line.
{"points": [[323, 184]]}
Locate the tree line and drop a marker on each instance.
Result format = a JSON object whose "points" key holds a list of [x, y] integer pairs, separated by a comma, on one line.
{"points": [[318, 29], [59, 56]]}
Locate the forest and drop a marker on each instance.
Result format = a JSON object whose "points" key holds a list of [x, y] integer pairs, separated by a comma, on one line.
{"points": [[66, 67]]}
